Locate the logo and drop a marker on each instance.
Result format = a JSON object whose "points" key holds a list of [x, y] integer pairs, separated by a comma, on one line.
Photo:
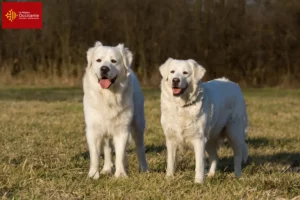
{"points": [[21, 15], [11, 15]]}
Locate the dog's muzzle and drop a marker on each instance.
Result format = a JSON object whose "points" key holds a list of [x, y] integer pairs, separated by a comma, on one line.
{"points": [[177, 91], [104, 71], [104, 81]]}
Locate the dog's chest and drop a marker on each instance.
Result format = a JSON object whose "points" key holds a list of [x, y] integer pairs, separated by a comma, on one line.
{"points": [[186, 124], [185, 117], [109, 110]]}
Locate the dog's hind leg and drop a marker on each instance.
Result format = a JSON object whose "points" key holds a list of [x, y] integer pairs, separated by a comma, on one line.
{"points": [[211, 149], [138, 137], [236, 137]]}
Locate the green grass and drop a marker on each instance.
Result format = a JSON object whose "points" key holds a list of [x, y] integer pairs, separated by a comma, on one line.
{"points": [[43, 151]]}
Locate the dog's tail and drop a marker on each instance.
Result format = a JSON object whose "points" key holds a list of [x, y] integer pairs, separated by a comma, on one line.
{"points": [[242, 121], [245, 153], [245, 128], [246, 125]]}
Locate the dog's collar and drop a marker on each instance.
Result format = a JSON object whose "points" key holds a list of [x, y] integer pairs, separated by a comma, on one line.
{"points": [[197, 95]]}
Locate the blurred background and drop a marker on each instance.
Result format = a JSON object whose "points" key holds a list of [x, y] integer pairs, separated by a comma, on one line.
{"points": [[253, 42]]}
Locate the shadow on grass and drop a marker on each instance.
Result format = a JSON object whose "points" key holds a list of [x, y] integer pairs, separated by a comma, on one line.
{"points": [[81, 156], [257, 142], [225, 164], [264, 142], [284, 158], [155, 149], [291, 160], [9, 192], [149, 149]]}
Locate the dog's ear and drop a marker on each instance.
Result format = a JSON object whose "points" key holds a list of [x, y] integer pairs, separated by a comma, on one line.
{"points": [[98, 43], [198, 70], [164, 69], [90, 53], [126, 56]]}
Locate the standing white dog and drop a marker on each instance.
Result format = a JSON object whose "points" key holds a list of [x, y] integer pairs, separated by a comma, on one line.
{"points": [[201, 114], [113, 108]]}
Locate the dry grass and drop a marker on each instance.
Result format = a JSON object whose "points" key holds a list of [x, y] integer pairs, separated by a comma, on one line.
{"points": [[27, 78], [43, 151]]}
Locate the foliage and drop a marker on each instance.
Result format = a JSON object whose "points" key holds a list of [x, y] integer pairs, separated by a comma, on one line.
{"points": [[254, 42]]}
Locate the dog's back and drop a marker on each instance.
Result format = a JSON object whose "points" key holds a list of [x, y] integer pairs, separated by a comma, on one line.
{"points": [[227, 102]]}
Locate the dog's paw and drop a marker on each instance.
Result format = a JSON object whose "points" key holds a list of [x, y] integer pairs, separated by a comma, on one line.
{"points": [[143, 168], [210, 174], [169, 175], [199, 180], [237, 174], [120, 174], [94, 174], [106, 171]]}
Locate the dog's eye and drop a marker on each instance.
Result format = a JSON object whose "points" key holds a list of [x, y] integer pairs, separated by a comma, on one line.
{"points": [[185, 72], [99, 60], [113, 60], [172, 71]]}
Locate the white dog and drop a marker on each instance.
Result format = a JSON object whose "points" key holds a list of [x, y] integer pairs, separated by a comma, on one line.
{"points": [[113, 108], [201, 114]]}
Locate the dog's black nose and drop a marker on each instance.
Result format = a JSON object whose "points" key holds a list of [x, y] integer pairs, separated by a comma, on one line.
{"points": [[175, 81], [104, 69]]}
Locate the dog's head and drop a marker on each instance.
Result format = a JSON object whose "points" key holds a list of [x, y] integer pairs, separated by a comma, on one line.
{"points": [[181, 74], [109, 63]]}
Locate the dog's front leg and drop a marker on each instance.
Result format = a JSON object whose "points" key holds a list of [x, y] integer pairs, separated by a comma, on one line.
{"points": [[199, 147], [120, 142], [94, 142], [108, 164], [171, 148]]}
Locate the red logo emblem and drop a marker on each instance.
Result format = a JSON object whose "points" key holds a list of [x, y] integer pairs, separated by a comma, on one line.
{"points": [[21, 15]]}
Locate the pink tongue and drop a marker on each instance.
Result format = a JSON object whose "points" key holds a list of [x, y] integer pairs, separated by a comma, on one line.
{"points": [[176, 90], [105, 83]]}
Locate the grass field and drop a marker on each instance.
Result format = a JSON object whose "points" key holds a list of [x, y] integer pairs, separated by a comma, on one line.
{"points": [[43, 151]]}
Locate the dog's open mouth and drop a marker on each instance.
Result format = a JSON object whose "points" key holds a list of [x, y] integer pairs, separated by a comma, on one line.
{"points": [[178, 91], [105, 82]]}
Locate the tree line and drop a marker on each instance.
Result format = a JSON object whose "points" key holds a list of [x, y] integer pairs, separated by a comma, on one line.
{"points": [[253, 42]]}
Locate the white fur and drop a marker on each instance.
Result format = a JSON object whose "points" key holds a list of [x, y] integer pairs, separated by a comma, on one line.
{"points": [[112, 114], [202, 116]]}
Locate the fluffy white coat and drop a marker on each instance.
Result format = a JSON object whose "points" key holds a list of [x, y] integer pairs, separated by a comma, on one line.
{"points": [[112, 114], [202, 116]]}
